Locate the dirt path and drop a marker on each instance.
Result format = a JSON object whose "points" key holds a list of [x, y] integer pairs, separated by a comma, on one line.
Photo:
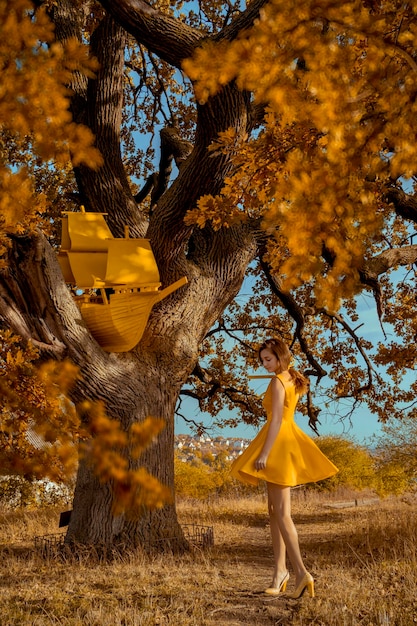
{"points": [[245, 562]]}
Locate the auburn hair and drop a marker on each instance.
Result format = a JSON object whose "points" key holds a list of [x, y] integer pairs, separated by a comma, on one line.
{"points": [[281, 350]]}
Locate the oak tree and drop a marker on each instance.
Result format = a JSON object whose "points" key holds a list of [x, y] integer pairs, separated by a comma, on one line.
{"points": [[285, 138]]}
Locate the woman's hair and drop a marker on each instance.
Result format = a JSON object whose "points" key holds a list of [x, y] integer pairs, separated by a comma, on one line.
{"points": [[284, 356]]}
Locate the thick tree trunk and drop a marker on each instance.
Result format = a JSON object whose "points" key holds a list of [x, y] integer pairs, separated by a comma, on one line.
{"points": [[92, 521], [35, 302], [152, 377]]}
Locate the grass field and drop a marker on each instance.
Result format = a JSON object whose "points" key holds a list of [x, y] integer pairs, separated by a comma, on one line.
{"points": [[363, 559]]}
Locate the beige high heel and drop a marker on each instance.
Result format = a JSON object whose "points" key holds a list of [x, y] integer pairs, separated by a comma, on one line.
{"points": [[275, 591], [306, 583]]}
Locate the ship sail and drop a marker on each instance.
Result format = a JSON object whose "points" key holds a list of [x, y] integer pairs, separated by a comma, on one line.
{"points": [[131, 262], [84, 249]]}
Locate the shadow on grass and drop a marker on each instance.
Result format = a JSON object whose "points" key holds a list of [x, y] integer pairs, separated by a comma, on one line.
{"points": [[242, 518], [260, 520], [322, 536], [331, 517], [22, 553]]}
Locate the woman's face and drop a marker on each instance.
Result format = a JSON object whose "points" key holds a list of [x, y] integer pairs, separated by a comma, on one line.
{"points": [[270, 361]]}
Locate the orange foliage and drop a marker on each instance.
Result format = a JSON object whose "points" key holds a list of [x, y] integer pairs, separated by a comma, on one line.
{"points": [[34, 110], [339, 82], [39, 426], [42, 432], [106, 449]]}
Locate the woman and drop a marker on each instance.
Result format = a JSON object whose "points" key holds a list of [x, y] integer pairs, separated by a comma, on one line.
{"points": [[284, 456]]}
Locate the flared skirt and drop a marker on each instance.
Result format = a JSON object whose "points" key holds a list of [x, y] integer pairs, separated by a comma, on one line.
{"points": [[294, 459]]}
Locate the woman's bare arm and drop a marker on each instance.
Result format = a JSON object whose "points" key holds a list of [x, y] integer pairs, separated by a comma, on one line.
{"points": [[278, 397]]}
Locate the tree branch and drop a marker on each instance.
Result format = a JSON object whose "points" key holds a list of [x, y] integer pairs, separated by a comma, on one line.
{"points": [[242, 21], [405, 204], [297, 314], [358, 343], [216, 387], [105, 103], [166, 36], [68, 20], [379, 265], [98, 104], [173, 148], [388, 259]]}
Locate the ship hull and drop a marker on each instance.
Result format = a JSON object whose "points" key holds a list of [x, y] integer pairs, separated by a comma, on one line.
{"points": [[118, 325]]}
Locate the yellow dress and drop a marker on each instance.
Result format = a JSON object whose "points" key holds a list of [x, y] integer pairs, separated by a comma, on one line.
{"points": [[294, 458]]}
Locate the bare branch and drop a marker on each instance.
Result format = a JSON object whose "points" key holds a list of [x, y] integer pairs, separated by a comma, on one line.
{"points": [[150, 183], [242, 21], [380, 264], [358, 343], [199, 426], [297, 314], [173, 148], [240, 396]]}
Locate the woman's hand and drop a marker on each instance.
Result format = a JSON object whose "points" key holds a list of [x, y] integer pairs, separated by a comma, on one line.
{"points": [[260, 463]]}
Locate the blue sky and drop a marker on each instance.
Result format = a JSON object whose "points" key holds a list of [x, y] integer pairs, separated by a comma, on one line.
{"points": [[361, 426]]}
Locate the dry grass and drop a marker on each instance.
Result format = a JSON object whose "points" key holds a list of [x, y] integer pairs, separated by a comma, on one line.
{"points": [[363, 559]]}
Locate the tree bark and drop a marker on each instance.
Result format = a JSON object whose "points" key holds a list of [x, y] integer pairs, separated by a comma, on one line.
{"points": [[36, 303], [145, 382]]}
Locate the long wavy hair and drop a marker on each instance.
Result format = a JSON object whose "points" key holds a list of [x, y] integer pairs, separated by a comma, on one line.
{"points": [[283, 354]]}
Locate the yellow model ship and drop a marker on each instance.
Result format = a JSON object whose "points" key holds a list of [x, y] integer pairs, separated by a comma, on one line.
{"points": [[92, 259]]}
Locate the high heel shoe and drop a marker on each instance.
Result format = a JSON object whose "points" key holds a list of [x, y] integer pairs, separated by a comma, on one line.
{"points": [[275, 591], [306, 583]]}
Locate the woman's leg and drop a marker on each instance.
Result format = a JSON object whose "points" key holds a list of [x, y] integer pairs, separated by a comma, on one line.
{"points": [[280, 515], [278, 546]]}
